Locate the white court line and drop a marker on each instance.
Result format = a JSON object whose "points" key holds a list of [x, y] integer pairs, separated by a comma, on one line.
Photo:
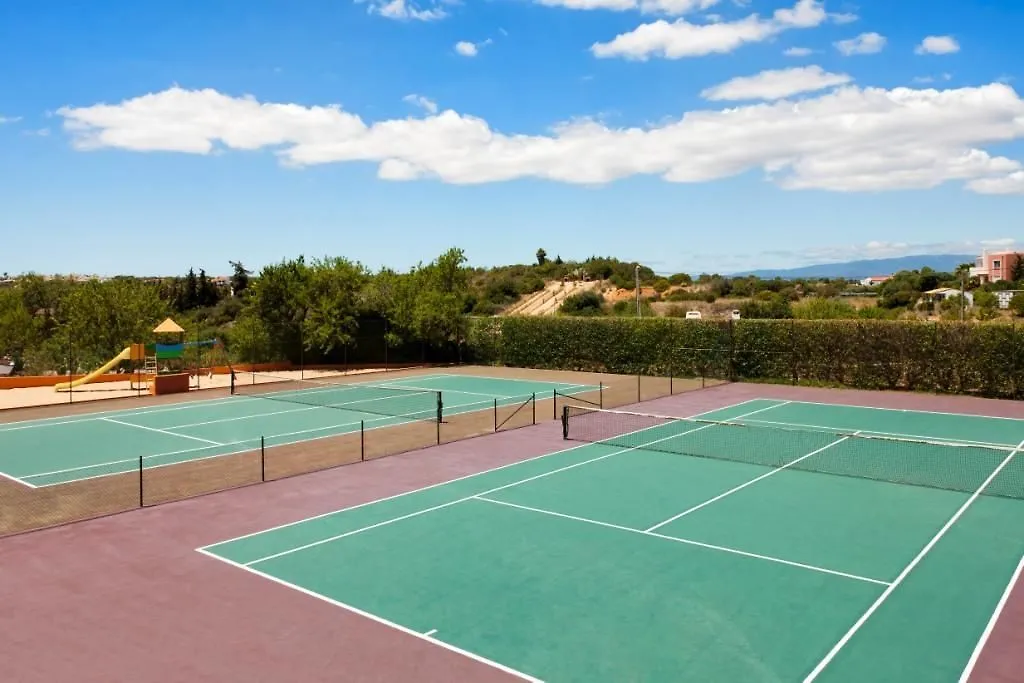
{"points": [[430, 632], [379, 620], [36, 423], [980, 647], [529, 381], [686, 541], [906, 570], [161, 431], [122, 412], [450, 503], [443, 483], [906, 410], [17, 481], [389, 420], [744, 485], [868, 433]]}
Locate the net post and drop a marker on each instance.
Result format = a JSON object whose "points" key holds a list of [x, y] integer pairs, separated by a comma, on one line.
{"points": [[554, 404], [232, 376], [362, 440], [263, 459], [533, 399], [495, 415], [438, 424], [565, 423], [142, 493], [440, 407]]}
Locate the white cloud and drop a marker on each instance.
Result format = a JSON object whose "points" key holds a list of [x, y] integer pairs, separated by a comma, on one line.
{"points": [[843, 17], [422, 102], [669, 7], [775, 85], [680, 38], [406, 10], [39, 132], [864, 44], [1009, 184], [798, 52], [9, 119], [851, 139], [468, 49], [938, 45]]}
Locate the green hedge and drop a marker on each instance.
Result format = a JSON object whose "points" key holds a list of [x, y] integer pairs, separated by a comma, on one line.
{"points": [[945, 357]]}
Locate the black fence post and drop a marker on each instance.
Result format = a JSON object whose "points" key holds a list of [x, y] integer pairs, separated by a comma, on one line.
{"points": [[554, 404], [732, 350], [565, 423], [534, 399], [263, 459]]}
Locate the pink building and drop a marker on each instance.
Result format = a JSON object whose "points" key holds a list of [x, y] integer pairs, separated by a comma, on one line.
{"points": [[994, 266]]}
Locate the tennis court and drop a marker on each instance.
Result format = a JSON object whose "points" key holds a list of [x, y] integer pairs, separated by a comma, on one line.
{"points": [[276, 412], [767, 541]]}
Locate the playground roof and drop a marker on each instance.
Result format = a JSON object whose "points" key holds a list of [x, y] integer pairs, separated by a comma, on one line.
{"points": [[168, 326]]}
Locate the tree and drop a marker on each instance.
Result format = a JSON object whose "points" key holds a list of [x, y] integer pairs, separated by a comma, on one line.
{"points": [[190, 297], [279, 299], [239, 278], [206, 294], [585, 303], [558, 260], [1017, 305], [1017, 271], [986, 302], [680, 279], [333, 295], [542, 257]]}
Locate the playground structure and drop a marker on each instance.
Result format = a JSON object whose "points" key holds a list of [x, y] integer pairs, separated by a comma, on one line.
{"points": [[160, 367]]}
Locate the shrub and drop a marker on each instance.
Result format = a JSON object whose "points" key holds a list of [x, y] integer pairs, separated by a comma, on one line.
{"points": [[661, 285], [823, 309], [585, 303]]}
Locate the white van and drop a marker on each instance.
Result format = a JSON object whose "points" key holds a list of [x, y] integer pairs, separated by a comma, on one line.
{"points": [[693, 315]]}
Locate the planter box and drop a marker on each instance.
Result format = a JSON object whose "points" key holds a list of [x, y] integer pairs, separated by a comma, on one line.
{"points": [[170, 384]]}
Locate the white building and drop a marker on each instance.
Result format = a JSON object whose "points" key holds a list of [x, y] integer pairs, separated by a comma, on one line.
{"points": [[1004, 297]]}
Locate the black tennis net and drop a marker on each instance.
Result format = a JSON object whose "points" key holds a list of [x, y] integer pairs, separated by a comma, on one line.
{"points": [[954, 466], [409, 404]]}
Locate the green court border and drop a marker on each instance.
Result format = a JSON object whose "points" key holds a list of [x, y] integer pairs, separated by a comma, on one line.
{"points": [[819, 668], [390, 421]]}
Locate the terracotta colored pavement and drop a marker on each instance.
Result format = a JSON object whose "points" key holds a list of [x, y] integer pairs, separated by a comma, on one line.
{"points": [[127, 598]]}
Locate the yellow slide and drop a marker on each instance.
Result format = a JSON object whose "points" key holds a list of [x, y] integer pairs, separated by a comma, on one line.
{"points": [[124, 355]]}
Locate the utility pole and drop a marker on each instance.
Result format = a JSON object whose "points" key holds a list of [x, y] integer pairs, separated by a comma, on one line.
{"points": [[637, 274]]}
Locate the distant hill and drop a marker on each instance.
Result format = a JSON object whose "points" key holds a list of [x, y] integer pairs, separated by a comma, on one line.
{"points": [[856, 270]]}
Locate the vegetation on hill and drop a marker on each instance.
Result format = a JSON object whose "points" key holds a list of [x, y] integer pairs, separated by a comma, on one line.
{"points": [[332, 310]]}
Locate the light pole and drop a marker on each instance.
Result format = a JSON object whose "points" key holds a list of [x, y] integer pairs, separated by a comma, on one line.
{"points": [[637, 275]]}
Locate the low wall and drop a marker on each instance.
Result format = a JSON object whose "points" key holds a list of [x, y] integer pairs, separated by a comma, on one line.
{"points": [[30, 381]]}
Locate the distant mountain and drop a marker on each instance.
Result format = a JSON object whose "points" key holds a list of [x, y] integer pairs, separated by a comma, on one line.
{"points": [[857, 270]]}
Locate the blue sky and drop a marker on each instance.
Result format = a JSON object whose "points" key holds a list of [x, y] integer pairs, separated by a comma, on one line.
{"points": [[694, 135]]}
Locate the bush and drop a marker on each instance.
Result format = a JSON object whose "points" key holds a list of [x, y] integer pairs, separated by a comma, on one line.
{"points": [[870, 354], [661, 285], [1017, 305], [823, 309], [585, 303], [680, 279]]}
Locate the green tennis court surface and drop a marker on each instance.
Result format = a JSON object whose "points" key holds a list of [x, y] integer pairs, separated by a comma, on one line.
{"points": [[58, 450], [685, 550]]}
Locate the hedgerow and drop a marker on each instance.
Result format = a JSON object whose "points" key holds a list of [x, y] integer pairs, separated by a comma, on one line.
{"points": [[943, 357]]}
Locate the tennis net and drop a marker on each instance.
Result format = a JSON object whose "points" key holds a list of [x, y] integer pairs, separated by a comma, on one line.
{"points": [[945, 465], [410, 404]]}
